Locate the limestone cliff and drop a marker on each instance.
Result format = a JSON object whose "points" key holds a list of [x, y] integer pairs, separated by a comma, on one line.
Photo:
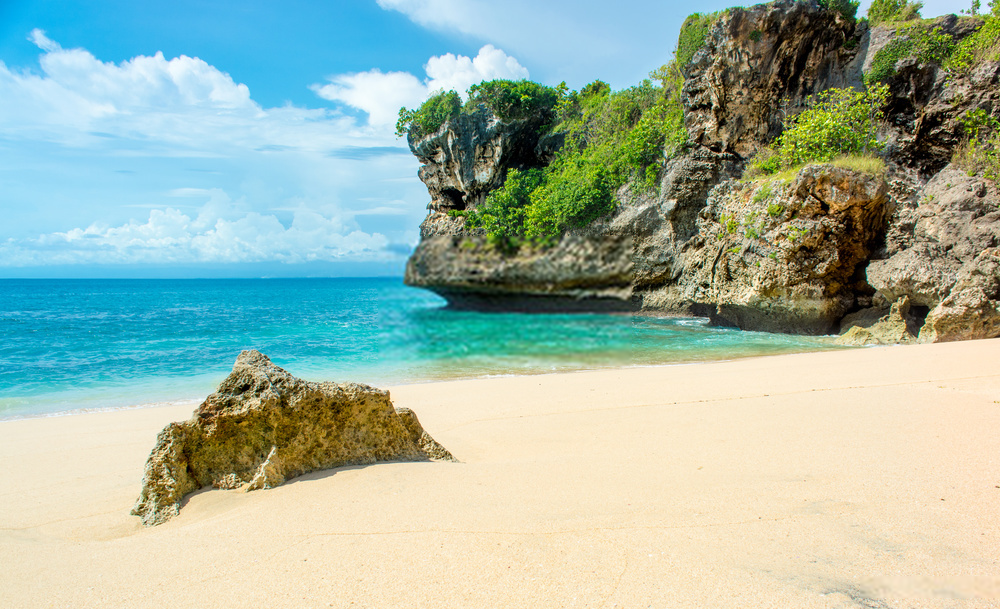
{"points": [[829, 245]]}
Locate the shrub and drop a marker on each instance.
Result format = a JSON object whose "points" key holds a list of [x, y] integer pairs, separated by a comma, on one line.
{"points": [[918, 41], [980, 152], [511, 100], [576, 193], [887, 11], [835, 122], [847, 8], [508, 99], [429, 117], [884, 63], [692, 36], [983, 45], [502, 217], [612, 137]]}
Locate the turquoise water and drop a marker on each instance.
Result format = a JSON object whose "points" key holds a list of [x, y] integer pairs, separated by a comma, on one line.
{"points": [[69, 345]]}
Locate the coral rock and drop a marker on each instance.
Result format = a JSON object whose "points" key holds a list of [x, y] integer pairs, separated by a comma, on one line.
{"points": [[263, 426]]}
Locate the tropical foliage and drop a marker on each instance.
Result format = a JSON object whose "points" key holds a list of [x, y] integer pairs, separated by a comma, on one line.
{"points": [[428, 118], [888, 11], [835, 122], [980, 154], [612, 138]]}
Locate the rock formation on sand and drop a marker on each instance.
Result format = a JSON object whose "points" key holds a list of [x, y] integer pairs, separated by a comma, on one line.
{"points": [[263, 426], [820, 252]]}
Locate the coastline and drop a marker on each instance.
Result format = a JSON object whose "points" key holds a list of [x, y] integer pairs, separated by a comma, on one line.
{"points": [[822, 479]]}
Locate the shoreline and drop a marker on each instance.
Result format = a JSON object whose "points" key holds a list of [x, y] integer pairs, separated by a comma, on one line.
{"points": [[820, 479], [195, 401]]}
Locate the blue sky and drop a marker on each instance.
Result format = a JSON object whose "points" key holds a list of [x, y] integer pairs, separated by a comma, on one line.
{"points": [[254, 138]]}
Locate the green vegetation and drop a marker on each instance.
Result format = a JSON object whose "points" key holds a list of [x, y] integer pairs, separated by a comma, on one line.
{"points": [[512, 100], [692, 36], [836, 122], [847, 8], [890, 11], [508, 99], [612, 138], [983, 45], [862, 163], [917, 40], [429, 117], [980, 153]]}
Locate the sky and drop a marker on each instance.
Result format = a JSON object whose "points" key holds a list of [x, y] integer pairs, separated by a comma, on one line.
{"points": [[255, 138]]}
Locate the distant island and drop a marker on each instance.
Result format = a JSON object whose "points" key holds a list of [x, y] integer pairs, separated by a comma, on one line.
{"points": [[793, 169]]}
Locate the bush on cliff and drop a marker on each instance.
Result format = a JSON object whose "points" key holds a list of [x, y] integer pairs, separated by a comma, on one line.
{"points": [[917, 40], [612, 138], [835, 122], [847, 8], [692, 36], [980, 152], [428, 118], [983, 45], [513, 99], [507, 99], [887, 11], [502, 218]]}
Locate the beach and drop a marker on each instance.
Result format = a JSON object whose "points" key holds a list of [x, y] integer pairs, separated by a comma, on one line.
{"points": [[856, 478]]}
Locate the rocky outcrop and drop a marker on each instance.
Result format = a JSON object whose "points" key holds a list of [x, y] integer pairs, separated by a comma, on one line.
{"points": [[589, 269], [941, 255], [926, 103], [909, 257], [469, 156], [785, 257], [263, 426], [875, 326], [758, 64]]}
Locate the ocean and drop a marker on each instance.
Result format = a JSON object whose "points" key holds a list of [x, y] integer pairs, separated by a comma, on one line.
{"points": [[91, 344]]}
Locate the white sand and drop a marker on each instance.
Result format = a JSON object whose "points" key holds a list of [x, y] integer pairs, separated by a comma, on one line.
{"points": [[863, 478]]}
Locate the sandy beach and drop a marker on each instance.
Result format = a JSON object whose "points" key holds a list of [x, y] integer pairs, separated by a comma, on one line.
{"points": [[861, 478]]}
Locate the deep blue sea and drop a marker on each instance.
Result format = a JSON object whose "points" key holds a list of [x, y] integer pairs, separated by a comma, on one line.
{"points": [[71, 345]]}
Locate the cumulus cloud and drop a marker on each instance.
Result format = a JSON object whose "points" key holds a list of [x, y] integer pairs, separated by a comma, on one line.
{"points": [[381, 94], [219, 232], [89, 142]]}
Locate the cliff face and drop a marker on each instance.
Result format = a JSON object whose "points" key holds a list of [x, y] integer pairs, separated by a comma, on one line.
{"points": [[801, 256]]}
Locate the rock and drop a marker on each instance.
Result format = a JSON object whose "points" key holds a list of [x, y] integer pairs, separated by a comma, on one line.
{"points": [[972, 308], [785, 257], [263, 426], [470, 155], [899, 326], [588, 270], [942, 257], [759, 63]]}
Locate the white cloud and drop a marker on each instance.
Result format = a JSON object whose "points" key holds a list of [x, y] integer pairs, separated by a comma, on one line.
{"points": [[459, 72], [90, 142], [381, 95], [217, 233]]}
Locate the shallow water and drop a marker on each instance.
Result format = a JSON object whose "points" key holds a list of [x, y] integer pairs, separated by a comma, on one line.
{"points": [[67, 345]]}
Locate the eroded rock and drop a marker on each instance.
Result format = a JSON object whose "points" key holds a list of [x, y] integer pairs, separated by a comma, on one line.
{"points": [[942, 255], [785, 257], [867, 327], [263, 426]]}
